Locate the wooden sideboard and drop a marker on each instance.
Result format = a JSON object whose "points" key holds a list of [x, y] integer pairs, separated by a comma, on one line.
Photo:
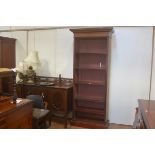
{"points": [[145, 115], [15, 115], [58, 95]]}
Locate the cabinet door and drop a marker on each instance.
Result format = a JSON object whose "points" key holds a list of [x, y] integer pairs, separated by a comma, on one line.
{"points": [[57, 100]]}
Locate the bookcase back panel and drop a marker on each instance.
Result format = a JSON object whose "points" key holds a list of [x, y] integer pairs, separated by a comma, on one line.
{"points": [[90, 90], [87, 60], [90, 104], [92, 45], [95, 75]]}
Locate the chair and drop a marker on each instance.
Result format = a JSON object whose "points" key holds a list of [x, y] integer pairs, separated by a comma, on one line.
{"points": [[37, 100], [40, 113]]}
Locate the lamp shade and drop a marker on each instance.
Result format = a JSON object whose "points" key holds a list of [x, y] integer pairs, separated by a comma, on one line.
{"points": [[32, 58]]}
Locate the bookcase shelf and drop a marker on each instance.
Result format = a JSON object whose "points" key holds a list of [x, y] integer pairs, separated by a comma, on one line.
{"points": [[90, 110], [90, 67], [91, 50], [89, 82], [86, 52]]}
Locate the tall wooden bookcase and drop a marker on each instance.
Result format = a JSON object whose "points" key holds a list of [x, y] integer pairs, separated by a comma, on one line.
{"points": [[7, 52], [7, 60], [91, 50]]}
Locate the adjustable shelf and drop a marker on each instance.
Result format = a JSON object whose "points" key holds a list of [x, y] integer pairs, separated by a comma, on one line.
{"points": [[87, 52], [90, 98], [90, 110], [89, 82], [90, 68]]}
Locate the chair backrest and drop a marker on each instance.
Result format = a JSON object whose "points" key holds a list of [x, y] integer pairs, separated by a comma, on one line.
{"points": [[38, 101]]}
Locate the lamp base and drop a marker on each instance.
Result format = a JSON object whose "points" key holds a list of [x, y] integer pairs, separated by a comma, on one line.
{"points": [[30, 81]]}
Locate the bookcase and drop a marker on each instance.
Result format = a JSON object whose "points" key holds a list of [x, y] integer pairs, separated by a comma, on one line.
{"points": [[7, 52], [91, 50]]}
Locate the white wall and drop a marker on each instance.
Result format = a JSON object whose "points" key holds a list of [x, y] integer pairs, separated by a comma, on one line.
{"points": [[55, 48], [64, 53], [153, 74], [45, 45], [129, 71]]}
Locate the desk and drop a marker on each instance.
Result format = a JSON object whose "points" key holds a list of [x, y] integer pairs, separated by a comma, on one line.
{"points": [[16, 116], [145, 117]]}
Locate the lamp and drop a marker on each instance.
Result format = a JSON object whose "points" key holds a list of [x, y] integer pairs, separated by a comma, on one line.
{"points": [[27, 68], [32, 59]]}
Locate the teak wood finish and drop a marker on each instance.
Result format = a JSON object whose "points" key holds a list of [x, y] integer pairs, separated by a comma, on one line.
{"points": [[7, 80], [7, 60], [16, 115], [7, 52], [145, 117], [91, 51]]}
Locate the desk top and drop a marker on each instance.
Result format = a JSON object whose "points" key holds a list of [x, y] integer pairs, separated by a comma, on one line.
{"points": [[5, 72], [8, 106], [147, 109]]}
